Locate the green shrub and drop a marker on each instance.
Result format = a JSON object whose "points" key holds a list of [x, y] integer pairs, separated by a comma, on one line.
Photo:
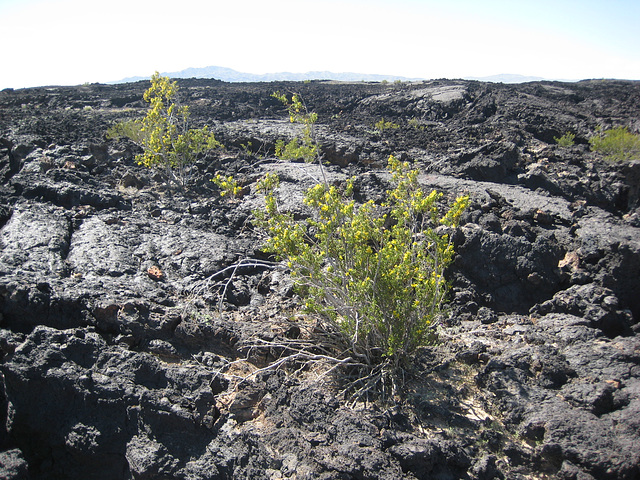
{"points": [[228, 185], [617, 144], [293, 150], [382, 125], [566, 140], [415, 123], [167, 143], [374, 272], [306, 147]]}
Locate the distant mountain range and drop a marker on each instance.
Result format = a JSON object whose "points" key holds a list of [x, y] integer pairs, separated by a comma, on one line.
{"points": [[507, 78], [230, 75]]}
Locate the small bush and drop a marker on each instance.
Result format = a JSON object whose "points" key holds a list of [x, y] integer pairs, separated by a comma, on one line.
{"points": [[307, 147], [374, 272], [228, 185], [382, 125], [293, 150], [617, 144], [167, 142], [415, 123], [566, 140]]}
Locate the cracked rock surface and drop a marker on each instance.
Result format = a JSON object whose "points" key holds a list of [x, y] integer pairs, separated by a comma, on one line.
{"points": [[130, 312]]}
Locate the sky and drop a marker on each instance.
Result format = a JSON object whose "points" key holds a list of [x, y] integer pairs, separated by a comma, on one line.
{"points": [[71, 42]]}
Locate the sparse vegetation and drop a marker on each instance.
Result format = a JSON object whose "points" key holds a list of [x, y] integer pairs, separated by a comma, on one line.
{"points": [[616, 144], [228, 185], [566, 140], [382, 125], [248, 150], [375, 273], [306, 147], [164, 135], [415, 123]]}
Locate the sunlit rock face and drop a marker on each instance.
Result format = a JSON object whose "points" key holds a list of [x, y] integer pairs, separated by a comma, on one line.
{"points": [[133, 314]]}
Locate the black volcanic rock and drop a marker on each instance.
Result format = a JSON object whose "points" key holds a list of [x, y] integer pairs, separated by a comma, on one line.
{"points": [[130, 312]]}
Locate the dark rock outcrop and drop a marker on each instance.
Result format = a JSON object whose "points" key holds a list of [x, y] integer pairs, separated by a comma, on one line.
{"points": [[131, 314]]}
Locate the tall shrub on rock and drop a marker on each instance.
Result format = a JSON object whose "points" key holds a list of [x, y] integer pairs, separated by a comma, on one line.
{"points": [[374, 272], [167, 142]]}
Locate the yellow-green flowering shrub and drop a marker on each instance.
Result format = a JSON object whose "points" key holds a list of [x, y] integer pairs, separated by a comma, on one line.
{"points": [[375, 272], [617, 144], [228, 185], [382, 125], [163, 134]]}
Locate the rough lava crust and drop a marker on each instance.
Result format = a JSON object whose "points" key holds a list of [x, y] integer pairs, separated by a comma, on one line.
{"points": [[118, 311]]}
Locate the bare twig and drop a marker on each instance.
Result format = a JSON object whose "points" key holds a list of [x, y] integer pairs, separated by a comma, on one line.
{"points": [[300, 355], [206, 284]]}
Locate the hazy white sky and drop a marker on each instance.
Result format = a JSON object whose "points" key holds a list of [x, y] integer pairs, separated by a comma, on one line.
{"points": [[69, 42]]}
